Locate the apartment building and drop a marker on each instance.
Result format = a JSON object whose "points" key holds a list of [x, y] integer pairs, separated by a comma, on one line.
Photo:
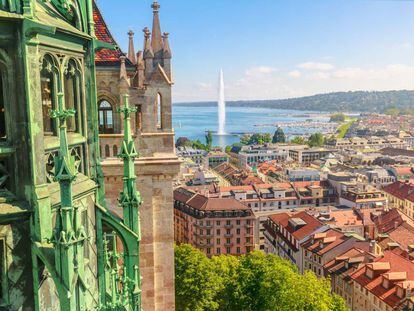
{"points": [[285, 232], [383, 285], [253, 155], [373, 142], [401, 195], [322, 247], [341, 267], [307, 155], [212, 224], [362, 197]]}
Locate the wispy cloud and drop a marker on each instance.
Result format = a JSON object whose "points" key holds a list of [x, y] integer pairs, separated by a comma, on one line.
{"points": [[265, 82], [315, 66], [294, 74]]}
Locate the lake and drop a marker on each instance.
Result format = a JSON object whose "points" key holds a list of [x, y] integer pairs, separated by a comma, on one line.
{"points": [[192, 122]]}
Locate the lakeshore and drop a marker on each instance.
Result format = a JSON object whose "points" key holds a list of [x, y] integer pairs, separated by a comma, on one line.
{"points": [[193, 121]]}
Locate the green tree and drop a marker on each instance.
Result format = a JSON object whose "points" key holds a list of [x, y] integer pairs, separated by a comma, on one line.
{"points": [[316, 140], [337, 117], [254, 282], [196, 281], [209, 140], [279, 136], [183, 142], [298, 140], [197, 144], [392, 111]]}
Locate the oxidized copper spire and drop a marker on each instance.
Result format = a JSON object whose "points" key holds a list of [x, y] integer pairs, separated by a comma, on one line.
{"points": [[156, 39], [131, 48]]}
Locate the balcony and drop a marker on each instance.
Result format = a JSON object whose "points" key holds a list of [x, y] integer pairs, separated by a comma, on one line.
{"points": [[249, 225], [202, 244], [228, 244], [228, 235], [228, 226]]}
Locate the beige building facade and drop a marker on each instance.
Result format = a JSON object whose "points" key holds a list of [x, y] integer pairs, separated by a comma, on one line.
{"points": [[146, 77]]}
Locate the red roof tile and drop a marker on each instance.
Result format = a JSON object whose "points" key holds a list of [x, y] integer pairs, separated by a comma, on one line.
{"points": [[105, 57], [397, 264]]}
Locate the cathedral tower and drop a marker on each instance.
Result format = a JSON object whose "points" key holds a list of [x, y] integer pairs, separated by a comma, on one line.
{"points": [[147, 79]]}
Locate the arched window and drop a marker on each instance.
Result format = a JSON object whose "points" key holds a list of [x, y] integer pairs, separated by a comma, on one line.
{"points": [[2, 111], [115, 150], [48, 83], [106, 122], [158, 109], [73, 97], [107, 153]]}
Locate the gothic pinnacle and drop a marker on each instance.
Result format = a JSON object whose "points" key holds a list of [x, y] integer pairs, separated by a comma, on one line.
{"points": [[131, 48]]}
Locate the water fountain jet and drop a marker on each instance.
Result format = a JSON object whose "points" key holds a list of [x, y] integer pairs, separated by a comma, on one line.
{"points": [[221, 106]]}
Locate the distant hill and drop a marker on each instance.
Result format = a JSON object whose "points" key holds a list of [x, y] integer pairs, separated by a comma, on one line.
{"points": [[357, 101]]}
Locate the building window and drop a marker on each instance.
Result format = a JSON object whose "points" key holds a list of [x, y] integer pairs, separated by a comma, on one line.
{"points": [[158, 110], [138, 117], [228, 250], [218, 231], [48, 82], [73, 97], [238, 222], [238, 240], [238, 230], [228, 241], [115, 150], [218, 251], [218, 241], [2, 111], [218, 222], [238, 250], [208, 250], [106, 122]]}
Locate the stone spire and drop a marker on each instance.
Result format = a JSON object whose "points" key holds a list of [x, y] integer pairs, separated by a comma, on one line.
{"points": [[123, 76], [148, 51], [156, 39], [166, 50], [131, 49]]}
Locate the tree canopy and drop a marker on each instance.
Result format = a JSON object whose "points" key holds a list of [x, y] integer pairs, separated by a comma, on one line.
{"points": [[337, 117], [316, 140], [299, 140], [279, 136], [256, 139], [254, 282]]}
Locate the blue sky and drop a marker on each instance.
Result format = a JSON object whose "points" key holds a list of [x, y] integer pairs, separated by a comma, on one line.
{"points": [[277, 49]]}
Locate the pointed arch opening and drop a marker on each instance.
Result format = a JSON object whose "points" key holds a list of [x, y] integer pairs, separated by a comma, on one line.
{"points": [[158, 110], [106, 120], [49, 88]]}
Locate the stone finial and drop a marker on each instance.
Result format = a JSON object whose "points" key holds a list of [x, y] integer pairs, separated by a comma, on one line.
{"points": [[131, 48], [155, 6]]}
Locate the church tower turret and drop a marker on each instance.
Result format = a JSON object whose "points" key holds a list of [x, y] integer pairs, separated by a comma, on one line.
{"points": [[131, 48], [148, 52], [156, 38]]}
